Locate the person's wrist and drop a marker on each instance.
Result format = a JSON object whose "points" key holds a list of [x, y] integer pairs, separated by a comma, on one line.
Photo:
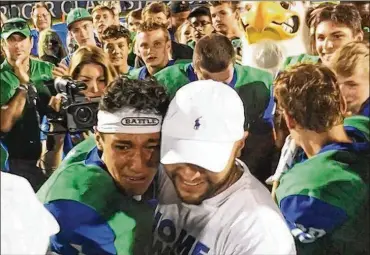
{"points": [[23, 86]]}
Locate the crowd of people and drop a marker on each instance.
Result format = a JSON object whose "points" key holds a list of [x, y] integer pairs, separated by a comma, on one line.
{"points": [[191, 151]]}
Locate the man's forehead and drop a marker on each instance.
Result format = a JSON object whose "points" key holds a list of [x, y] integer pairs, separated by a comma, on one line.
{"points": [[329, 26], [81, 23], [135, 138], [223, 6], [115, 40], [17, 36], [152, 35], [200, 18], [101, 11]]}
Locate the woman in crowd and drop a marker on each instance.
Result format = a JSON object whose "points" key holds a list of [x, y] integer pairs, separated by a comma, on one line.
{"points": [[51, 47], [90, 65], [184, 33]]}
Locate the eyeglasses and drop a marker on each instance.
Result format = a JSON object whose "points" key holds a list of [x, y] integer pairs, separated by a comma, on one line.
{"points": [[42, 16], [16, 25], [200, 24]]}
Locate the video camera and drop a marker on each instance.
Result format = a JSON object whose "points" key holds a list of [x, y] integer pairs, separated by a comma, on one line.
{"points": [[77, 113]]}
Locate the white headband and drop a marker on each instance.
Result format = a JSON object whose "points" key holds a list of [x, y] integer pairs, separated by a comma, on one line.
{"points": [[129, 121]]}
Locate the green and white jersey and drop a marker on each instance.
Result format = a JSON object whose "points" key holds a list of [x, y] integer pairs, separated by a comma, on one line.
{"points": [[325, 198]]}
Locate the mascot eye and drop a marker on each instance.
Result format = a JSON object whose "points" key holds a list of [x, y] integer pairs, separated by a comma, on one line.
{"points": [[285, 5]]}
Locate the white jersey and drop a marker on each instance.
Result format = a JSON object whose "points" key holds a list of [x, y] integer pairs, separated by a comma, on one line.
{"points": [[241, 220]]}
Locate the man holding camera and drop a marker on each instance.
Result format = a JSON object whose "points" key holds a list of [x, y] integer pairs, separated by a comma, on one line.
{"points": [[23, 99], [91, 193]]}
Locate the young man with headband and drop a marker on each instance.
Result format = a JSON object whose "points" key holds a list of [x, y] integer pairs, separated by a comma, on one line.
{"points": [[324, 197], [209, 203], [91, 193]]}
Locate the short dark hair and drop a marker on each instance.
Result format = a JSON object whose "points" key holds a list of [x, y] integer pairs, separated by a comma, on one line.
{"points": [[233, 4], [136, 14], [143, 95], [310, 94], [214, 53], [200, 11], [344, 14], [117, 32]]}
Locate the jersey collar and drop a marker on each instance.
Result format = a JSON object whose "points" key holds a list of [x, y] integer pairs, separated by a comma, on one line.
{"points": [[144, 73], [193, 77]]}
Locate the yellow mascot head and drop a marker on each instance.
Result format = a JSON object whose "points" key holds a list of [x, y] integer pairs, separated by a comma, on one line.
{"points": [[273, 31]]}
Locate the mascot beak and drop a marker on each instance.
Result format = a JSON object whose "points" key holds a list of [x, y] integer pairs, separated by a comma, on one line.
{"points": [[262, 14]]}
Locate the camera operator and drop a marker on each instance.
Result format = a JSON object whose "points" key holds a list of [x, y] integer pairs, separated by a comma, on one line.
{"points": [[91, 66], [23, 99]]}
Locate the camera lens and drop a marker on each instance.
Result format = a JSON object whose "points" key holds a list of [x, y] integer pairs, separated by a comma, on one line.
{"points": [[83, 114]]}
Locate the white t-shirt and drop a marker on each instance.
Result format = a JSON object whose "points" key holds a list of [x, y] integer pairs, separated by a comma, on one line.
{"points": [[26, 225], [241, 220]]}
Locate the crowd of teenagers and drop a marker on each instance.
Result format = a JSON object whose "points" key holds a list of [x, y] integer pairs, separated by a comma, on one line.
{"points": [[192, 152]]}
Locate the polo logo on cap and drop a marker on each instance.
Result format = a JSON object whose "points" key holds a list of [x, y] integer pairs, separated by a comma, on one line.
{"points": [[197, 123], [140, 121]]}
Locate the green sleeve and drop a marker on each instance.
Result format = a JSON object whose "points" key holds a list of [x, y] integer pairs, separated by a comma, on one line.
{"points": [[173, 78], [7, 91]]}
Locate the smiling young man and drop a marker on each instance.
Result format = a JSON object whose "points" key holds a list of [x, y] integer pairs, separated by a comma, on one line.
{"points": [[332, 26], [351, 65], [209, 203], [117, 42], [41, 19], [91, 193]]}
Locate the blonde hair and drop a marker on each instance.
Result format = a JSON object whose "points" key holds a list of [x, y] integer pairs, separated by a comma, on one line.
{"points": [[154, 8], [178, 33], [42, 41], [352, 56], [92, 55]]}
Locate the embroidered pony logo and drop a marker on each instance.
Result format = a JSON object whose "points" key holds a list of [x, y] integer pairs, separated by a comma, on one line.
{"points": [[197, 123]]}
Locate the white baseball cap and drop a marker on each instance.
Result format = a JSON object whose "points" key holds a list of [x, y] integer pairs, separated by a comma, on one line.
{"points": [[203, 122]]}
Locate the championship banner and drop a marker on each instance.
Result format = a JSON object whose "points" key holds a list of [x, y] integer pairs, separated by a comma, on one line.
{"points": [[59, 8]]}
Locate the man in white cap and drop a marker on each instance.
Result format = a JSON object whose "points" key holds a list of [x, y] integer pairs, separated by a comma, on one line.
{"points": [[209, 202]]}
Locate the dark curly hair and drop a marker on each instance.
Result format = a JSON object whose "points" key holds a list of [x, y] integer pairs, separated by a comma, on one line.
{"points": [[143, 95], [117, 32], [310, 94]]}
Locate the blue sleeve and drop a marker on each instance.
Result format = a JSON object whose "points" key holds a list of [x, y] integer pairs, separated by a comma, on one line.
{"points": [[82, 229], [310, 218], [268, 115]]}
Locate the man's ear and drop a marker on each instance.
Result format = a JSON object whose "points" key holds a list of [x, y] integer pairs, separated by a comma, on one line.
{"points": [[343, 106], [290, 122], [359, 36], [237, 15], [241, 144], [99, 140]]}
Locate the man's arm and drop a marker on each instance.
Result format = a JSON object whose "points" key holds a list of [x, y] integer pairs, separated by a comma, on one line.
{"points": [[12, 111], [82, 229]]}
